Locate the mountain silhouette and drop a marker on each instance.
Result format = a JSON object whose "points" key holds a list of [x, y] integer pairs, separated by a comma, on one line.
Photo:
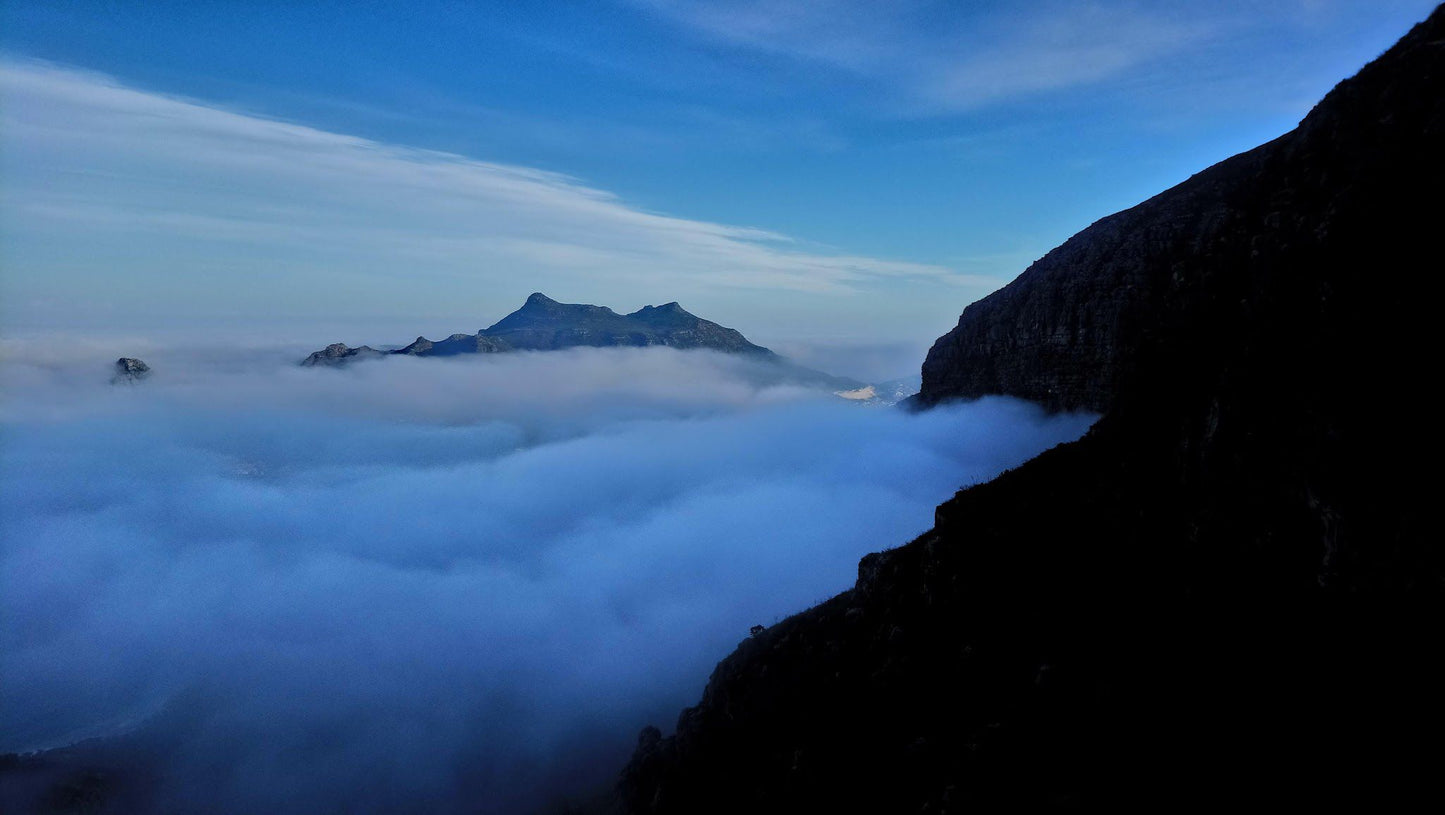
{"points": [[1231, 589]]}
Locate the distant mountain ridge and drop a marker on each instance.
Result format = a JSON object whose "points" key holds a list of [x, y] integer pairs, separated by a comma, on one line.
{"points": [[543, 324]]}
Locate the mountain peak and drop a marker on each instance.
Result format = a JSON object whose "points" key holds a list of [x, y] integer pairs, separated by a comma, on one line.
{"points": [[543, 324], [672, 309]]}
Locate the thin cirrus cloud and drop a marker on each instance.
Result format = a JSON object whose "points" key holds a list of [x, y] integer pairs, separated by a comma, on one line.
{"points": [[949, 58], [936, 58], [177, 198]]}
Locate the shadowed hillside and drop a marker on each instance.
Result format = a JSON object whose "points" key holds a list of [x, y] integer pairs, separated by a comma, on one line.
{"points": [[1227, 591]]}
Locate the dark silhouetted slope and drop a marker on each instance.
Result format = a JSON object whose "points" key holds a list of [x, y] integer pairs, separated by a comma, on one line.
{"points": [[1069, 332], [1230, 590]]}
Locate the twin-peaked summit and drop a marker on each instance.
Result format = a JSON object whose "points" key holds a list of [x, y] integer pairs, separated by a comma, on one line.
{"points": [[543, 324]]}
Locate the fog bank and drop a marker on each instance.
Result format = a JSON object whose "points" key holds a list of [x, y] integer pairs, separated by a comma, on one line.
{"points": [[447, 585]]}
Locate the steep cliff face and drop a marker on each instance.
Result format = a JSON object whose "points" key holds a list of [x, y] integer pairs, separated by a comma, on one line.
{"points": [[1228, 590], [1070, 330]]}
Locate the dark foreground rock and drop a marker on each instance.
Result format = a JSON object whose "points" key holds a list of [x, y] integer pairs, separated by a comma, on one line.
{"points": [[1071, 331], [1229, 591]]}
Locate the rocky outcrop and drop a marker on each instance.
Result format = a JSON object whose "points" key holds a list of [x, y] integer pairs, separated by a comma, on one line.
{"points": [[419, 347], [129, 370], [543, 324], [1229, 590], [463, 344], [339, 353]]}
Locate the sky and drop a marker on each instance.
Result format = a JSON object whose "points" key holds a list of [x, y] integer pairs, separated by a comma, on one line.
{"points": [[812, 173]]}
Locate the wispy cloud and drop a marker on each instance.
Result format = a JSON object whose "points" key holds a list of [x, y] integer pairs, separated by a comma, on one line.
{"points": [[102, 174], [950, 57]]}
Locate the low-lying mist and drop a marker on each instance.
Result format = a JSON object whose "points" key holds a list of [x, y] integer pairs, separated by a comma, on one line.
{"points": [[428, 585]]}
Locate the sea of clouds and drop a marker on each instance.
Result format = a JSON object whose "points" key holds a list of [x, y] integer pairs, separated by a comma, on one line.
{"points": [[425, 584]]}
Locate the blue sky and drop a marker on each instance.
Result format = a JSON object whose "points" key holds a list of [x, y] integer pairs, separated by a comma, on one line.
{"points": [[808, 172]]}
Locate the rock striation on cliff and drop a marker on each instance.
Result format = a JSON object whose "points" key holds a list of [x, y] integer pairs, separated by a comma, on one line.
{"points": [[1230, 589]]}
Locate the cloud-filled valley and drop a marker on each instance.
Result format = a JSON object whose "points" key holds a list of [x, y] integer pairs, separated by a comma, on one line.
{"points": [[431, 584]]}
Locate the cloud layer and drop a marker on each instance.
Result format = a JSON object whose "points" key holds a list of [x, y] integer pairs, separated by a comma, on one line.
{"points": [[446, 584]]}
